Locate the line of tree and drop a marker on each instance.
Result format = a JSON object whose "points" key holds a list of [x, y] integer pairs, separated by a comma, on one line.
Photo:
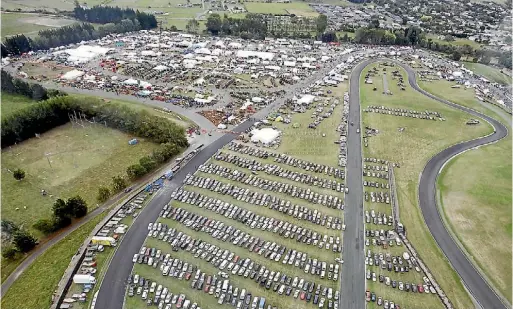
{"points": [[34, 91], [51, 113], [109, 14], [63, 212]]}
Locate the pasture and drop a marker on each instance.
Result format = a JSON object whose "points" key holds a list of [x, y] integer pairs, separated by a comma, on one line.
{"points": [[30, 24], [298, 8]]}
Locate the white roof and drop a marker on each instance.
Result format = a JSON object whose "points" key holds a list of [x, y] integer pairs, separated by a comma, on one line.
{"points": [[72, 74], [306, 99], [261, 55], [160, 67], [265, 135]]}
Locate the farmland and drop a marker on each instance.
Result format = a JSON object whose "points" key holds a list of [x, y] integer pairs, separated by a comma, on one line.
{"points": [[298, 8], [29, 24], [411, 142]]}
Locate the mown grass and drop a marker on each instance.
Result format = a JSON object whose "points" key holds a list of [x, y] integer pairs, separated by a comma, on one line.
{"points": [[489, 72], [299, 8], [65, 161], [412, 148], [34, 288]]}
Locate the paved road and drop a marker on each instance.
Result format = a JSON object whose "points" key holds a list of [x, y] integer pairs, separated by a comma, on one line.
{"points": [[353, 270], [476, 284], [112, 291]]}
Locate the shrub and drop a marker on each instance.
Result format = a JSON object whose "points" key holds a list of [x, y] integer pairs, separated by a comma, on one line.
{"points": [[44, 225], [103, 194]]}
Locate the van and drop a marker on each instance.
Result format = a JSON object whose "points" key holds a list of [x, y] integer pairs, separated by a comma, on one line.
{"points": [[255, 303], [186, 304], [242, 294], [223, 265], [225, 285]]}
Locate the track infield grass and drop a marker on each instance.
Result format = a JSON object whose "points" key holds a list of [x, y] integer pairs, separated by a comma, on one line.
{"points": [[485, 231], [412, 148]]}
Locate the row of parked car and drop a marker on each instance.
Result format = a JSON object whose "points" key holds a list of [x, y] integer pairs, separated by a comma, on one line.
{"points": [[371, 297], [228, 262], [389, 262], [215, 185], [378, 218], [288, 160], [377, 197], [263, 223], [342, 129], [273, 169], [271, 251]]}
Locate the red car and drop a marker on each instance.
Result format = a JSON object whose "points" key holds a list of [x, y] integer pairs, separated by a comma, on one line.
{"points": [[421, 288], [368, 295], [302, 295], [207, 287], [187, 276], [179, 303]]}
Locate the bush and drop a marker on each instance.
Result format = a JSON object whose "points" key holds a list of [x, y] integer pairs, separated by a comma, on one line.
{"points": [[60, 209], [60, 222], [44, 225], [23, 241], [9, 253], [18, 174], [118, 183], [147, 163], [103, 194], [135, 171], [76, 206]]}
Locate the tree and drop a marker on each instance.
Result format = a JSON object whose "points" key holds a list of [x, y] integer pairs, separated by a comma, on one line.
{"points": [[192, 26], [135, 171], [147, 163], [456, 55], [60, 209], [118, 183], [9, 228], [18, 174], [44, 225], [39, 92], [413, 35], [77, 206], [9, 253], [60, 222], [23, 241], [374, 23], [214, 23], [321, 23], [103, 194]]}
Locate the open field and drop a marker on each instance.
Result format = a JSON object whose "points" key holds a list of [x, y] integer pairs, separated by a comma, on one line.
{"points": [[457, 41], [12, 103], [412, 147], [34, 288], [485, 231], [79, 160], [491, 73], [29, 24], [298, 8], [309, 144]]}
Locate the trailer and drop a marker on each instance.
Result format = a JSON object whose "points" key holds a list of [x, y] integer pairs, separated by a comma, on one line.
{"points": [[84, 279], [106, 241]]}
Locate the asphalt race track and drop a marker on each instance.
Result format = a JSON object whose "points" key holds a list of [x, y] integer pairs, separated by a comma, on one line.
{"points": [[474, 282], [352, 291]]}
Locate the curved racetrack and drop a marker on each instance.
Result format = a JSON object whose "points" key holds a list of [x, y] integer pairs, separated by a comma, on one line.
{"points": [[482, 292]]}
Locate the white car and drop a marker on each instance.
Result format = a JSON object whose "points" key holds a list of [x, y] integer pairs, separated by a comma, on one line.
{"points": [[134, 259]]}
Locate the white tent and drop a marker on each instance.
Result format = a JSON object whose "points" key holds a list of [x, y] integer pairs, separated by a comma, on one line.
{"points": [[306, 99], [221, 126], [160, 68], [72, 74], [265, 135], [256, 100], [130, 81], [261, 55], [203, 51]]}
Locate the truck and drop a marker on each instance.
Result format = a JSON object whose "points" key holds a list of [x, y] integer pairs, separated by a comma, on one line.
{"points": [[168, 175], [106, 241], [84, 279]]}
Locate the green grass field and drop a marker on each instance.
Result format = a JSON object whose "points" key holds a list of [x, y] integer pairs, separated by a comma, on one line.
{"points": [[486, 191], [29, 24], [491, 73], [79, 161], [420, 140], [298, 8], [34, 288], [11, 103], [457, 41]]}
